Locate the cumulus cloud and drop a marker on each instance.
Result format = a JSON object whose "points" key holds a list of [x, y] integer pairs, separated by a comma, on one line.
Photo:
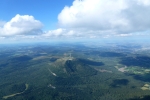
{"points": [[86, 19], [60, 32], [74, 33], [115, 16], [21, 24], [2, 23], [144, 2]]}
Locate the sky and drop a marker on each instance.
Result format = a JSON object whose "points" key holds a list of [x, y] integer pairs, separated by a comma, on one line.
{"points": [[47, 20]]}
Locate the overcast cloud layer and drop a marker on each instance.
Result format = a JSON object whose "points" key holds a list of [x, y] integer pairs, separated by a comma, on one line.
{"points": [[87, 18]]}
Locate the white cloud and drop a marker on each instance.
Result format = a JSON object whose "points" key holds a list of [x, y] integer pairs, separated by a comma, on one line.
{"points": [[2, 38], [86, 19], [56, 32], [116, 16], [2, 23], [124, 35], [60, 32], [144, 2], [21, 24], [75, 33]]}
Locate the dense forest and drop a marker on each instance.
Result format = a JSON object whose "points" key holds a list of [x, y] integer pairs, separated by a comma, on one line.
{"points": [[74, 72]]}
